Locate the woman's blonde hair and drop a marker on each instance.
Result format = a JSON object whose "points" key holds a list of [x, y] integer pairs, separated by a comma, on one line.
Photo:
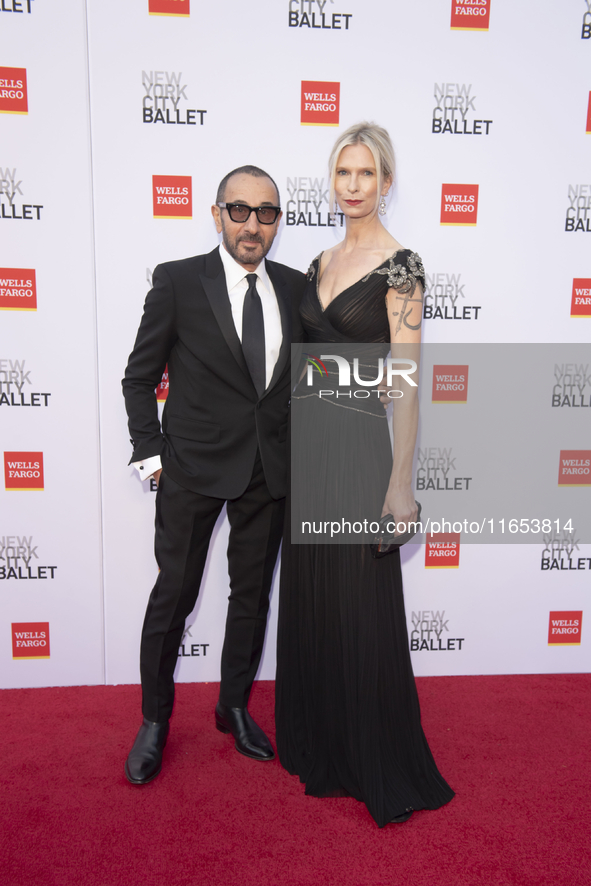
{"points": [[377, 140]]}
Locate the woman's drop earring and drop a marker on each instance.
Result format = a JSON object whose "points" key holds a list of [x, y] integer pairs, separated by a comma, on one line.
{"points": [[382, 209]]}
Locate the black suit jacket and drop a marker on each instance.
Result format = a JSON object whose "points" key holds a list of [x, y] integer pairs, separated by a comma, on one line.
{"points": [[213, 419]]}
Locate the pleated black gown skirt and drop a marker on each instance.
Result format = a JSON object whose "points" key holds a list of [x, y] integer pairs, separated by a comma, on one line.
{"points": [[347, 712]]}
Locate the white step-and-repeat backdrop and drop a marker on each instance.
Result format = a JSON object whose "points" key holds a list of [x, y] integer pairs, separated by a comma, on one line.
{"points": [[489, 106]]}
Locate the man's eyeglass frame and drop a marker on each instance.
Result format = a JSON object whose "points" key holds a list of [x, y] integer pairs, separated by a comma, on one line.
{"points": [[256, 209]]}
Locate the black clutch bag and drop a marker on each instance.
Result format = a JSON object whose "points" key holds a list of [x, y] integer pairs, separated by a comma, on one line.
{"points": [[385, 543]]}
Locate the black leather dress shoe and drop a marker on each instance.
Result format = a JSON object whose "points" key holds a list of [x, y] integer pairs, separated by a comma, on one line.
{"points": [[145, 758], [250, 739]]}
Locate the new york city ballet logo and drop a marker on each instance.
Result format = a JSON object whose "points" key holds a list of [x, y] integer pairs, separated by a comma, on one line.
{"points": [[16, 385], [320, 103], [470, 15], [12, 208], [18, 289], [455, 111], [575, 467], [18, 554], [442, 550], [429, 633], [441, 299], [172, 196], [165, 100], [13, 91], [580, 305], [313, 15], [561, 552], [30, 639], [162, 389], [450, 384], [169, 7], [459, 205], [23, 470], [578, 212], [308, 204], [572, 386], [564, 628], [437, 470]]}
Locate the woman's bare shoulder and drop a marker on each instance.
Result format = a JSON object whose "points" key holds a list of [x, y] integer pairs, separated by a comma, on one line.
{"points": [[392, 247]]}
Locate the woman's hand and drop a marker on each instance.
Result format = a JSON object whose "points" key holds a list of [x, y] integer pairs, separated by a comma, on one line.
{"points": [[402, 505]]}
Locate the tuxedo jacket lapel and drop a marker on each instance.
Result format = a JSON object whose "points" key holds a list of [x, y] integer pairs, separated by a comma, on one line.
{"points": [[214, 286], [284, 301]]}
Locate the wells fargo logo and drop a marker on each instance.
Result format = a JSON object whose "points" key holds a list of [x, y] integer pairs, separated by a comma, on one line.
{"points": [[23, 470], [588, 129], [320, 103], [575, 467], [13, 91], [564, 628], [470, 15], [450, 384], [459, 205], [169, 7], [442, 550], [18, 289], [162, 389], [30, 639], [172, 196], [581, 300]]}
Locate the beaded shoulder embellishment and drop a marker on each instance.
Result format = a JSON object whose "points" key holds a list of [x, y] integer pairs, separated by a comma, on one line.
{"points": [[402, 279], [312, 269]]}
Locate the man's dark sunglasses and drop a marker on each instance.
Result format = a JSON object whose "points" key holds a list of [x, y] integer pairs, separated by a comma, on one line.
{"points": [[240, 212]]}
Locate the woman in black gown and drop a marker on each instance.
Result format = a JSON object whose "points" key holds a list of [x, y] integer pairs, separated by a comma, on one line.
{"points": [[347, 713]]}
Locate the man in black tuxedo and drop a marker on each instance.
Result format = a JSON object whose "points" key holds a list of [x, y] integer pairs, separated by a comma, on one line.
{"points": [[224, 323]]}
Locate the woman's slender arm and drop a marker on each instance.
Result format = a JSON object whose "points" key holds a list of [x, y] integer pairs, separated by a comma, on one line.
{"points": [[405, 312]]}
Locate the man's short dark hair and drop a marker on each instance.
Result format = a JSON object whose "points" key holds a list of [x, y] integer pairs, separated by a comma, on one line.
{"points": [[245, 170]]}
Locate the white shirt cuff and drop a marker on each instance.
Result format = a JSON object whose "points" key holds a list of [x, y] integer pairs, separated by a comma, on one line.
{"points": [[148, 466]]}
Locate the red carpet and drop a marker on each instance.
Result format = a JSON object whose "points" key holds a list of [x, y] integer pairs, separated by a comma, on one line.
{"points": [[515, 749]]}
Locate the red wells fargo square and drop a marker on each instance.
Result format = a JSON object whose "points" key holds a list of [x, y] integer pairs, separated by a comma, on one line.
{"points": [[581, 299], [30, 639], [575, 467], [169, 7], [459, 205], [23, 470], [172, 196], [565, 628], [18, 289], [450, 384], [470, 15], [320, 103], [442, 550], [13, 91], [162, 389]]}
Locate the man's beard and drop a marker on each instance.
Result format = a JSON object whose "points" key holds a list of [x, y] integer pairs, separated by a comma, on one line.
{"points": [[244, 257]]}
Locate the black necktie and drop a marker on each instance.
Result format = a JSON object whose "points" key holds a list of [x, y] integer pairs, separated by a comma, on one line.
{"points": [[253, 335]]}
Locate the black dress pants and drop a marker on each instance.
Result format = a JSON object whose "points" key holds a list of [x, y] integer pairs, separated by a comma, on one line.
{"points": [[184, 524]]}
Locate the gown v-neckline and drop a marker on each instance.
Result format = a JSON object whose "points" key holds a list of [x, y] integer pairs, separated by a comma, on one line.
{"points": [[361, 279]]}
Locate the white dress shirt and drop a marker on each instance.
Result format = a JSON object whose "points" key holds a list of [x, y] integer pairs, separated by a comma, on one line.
{"points": [[237, 286]]}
